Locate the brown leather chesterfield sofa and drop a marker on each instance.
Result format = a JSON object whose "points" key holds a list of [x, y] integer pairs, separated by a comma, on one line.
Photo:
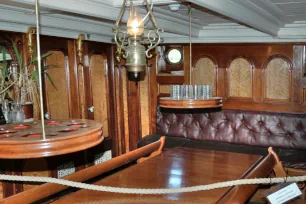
{"points": [[240, 131]]}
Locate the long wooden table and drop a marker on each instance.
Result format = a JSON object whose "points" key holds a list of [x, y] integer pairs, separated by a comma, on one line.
{"points": [[179, 167]]}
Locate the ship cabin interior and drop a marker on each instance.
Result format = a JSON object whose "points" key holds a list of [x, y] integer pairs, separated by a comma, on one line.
{"points": [[153, 101]]}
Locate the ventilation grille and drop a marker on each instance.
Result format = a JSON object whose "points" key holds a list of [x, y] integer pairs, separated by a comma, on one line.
{"points": [[102, 157], [65, 169]]}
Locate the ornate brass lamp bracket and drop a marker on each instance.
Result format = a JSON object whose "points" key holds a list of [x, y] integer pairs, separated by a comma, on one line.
{"points": [[30, 35], [79, 46]]}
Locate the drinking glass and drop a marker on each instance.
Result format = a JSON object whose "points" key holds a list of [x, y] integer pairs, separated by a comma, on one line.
{"points": [[196, 89], [17, 112], [208, 91], [183, 91], [175, 91], [202, 91], [6, 111], [190, 92]]}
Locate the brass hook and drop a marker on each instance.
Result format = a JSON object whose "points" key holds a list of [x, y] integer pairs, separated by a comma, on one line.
{"points": [[79, 46], [30, 33]]}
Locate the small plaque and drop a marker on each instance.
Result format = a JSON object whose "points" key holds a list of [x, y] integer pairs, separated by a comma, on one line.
{"points": [[284, 194]]}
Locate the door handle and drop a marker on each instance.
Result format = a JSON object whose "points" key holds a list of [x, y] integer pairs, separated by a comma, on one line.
{"points": [[91, 109], [47, 116]]}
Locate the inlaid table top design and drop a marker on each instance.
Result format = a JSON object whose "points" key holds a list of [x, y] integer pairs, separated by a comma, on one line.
{"points": [[175, 168], [23, 141]]}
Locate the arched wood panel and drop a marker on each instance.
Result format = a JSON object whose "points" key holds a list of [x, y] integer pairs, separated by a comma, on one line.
{"points": [[240, 78], [58, 100], [278, 78], [204, 72], [99, 90]]}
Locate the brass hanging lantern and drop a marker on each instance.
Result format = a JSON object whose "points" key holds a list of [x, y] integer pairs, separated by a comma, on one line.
{"points": [[130, 43]]}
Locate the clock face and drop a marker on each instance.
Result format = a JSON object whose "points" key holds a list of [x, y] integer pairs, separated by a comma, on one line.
{"points": [[174, 56]]}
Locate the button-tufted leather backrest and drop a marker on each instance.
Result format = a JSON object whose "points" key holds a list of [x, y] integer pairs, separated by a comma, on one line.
{"points": [[235, 126]]}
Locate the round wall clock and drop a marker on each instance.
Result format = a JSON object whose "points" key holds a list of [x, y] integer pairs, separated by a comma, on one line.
{"points": [[174, 56]]}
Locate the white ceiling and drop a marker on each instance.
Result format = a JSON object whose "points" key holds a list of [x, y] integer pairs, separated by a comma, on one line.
{"points": [[212, 20], [201, 16]]}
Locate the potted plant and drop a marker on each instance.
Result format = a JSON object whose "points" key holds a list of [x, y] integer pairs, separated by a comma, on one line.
{"points": [[6, 81], [21, 83]]}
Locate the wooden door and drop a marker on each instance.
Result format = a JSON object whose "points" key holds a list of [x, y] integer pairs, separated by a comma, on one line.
{"points": [[61, 102], [98, 106]]}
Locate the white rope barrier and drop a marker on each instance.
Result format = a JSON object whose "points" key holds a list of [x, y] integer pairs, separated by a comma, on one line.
{"points": [[151, 190]]}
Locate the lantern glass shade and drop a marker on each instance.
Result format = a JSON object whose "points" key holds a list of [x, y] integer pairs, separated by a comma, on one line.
{"points": [[135, 25]]}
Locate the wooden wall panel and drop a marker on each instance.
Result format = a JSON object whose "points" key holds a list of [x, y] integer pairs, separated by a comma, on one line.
{"points": [[1, 190], [278, 80], [187, 67], [82, 91], [164, 89], [34, 167], [119, 113], [58, 100], [99, 92], [258, 85], [221, 88], [240, 78], [299, 57], [134, 113], [122, 108], [125, 109], [153, 91], [204, 73], [144, 105]]}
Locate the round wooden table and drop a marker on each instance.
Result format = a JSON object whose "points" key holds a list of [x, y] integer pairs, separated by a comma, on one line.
{"points": [[23, 141]]}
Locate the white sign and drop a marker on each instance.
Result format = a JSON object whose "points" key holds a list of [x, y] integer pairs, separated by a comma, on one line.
{"points": [[285, 194]]}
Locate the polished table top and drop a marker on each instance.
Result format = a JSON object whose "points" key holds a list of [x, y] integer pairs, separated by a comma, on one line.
{"points": [[178, 167]]}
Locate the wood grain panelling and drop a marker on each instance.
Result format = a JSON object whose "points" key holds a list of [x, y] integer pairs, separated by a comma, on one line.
{"points": [[240, 78], [164, 89], [125, 109], [1, 190], [297, 74], [187, 67], [57, 100], [119, 116], [34, 167], [204, 73], [82, 88], [99, 92], [249, 80], [153, 91], [122, 108], [144, 105], [278, 79], [134, 113]]}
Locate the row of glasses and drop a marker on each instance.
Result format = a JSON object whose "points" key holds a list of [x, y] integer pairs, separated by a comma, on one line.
{"points": [[13, 111], [185, 92]]}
